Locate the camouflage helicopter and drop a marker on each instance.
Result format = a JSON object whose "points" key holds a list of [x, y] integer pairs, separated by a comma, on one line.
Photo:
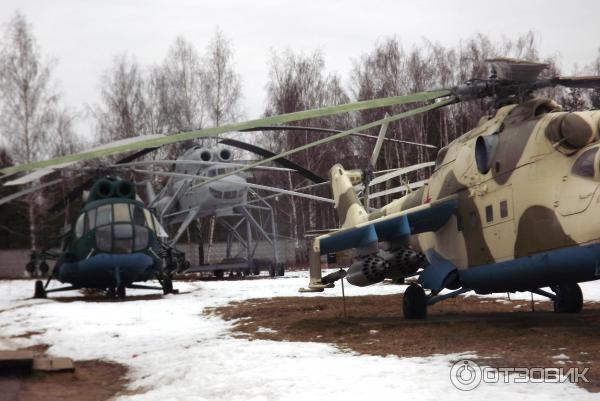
{"points": [[507, 208], [510, 206], [115, 243]]}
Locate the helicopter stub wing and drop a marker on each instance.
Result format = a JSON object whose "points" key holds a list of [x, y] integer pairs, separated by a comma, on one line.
{"points": [[424, 218]]}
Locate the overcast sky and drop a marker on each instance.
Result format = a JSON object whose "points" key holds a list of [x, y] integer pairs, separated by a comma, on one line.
{"points": [[84, 36]]}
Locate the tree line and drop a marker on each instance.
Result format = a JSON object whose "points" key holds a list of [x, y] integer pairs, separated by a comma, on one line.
{"points": [[193, 89]]}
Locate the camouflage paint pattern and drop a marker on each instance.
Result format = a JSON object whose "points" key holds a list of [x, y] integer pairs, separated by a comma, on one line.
{"points": [[536, 196]]}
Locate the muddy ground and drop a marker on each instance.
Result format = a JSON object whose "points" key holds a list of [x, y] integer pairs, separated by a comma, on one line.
{"points": [[503, 333], [91, 381]]}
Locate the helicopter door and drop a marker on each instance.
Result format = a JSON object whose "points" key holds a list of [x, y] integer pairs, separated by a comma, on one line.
{"points": [[498, 223], [578, 188]]}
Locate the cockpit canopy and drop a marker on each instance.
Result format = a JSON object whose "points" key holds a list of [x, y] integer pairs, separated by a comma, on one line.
{"points": [[587, 164], [119, 227]]}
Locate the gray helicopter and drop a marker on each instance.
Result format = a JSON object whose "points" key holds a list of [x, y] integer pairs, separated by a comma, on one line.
{"points": [[232, 203]]}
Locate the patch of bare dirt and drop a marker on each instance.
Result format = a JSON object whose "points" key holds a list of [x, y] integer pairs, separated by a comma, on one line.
{"points": [[28, 334], [93, 380], [507, 332]]}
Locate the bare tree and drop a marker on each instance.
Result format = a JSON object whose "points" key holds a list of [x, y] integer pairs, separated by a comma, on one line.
{"points": [[183, 98], [221, 83], [65, 139], [299, 82], [123, 110], [27, 100], [594, 69]]}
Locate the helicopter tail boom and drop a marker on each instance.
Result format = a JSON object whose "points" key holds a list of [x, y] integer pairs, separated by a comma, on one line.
{"points": [[348, 207]]}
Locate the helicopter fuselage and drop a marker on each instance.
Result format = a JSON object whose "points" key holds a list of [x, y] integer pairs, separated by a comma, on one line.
{"points": [[216, 197], [526, 183], [114, 243]]}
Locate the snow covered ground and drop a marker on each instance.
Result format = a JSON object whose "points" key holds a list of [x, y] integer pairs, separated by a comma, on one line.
{"points": [[175, 352]]}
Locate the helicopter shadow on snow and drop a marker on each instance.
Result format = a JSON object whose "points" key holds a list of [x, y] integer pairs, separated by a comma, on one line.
{"points": [[100, 297]]}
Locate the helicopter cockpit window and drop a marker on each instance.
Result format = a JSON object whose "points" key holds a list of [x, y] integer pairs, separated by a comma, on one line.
{"points": [[91, 219], [80, 225], [149, 219], [122, 238], [122, 227], [584, 165], [121, 212], [103, 238], [138, 215], [215, 193], [104, 215], [230, 194], [141, 238]]}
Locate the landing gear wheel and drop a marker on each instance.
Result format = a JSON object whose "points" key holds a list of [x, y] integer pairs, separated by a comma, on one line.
{"points": [[111, 292], [167, 285], [271, 270], [219, 274], [121, 292], [414, 304], [39, 291], [44, 268], [280, 269], [30, 268], [569, 298]]}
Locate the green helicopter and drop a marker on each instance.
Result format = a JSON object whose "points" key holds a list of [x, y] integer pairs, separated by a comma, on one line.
{"points": [[116, 242]]}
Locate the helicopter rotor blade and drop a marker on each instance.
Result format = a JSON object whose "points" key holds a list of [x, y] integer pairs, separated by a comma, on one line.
{"points": [[396, 117], [247, 184], [401, 188], [149, 141], [398, 172], [78, 190], [195, 162], [368, 175], [379, 143], [590, 82], [333, 131], [28, 191], [267, 153]]}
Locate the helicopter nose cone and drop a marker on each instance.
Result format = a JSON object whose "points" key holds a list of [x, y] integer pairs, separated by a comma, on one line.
{"points": [[233, 187]]}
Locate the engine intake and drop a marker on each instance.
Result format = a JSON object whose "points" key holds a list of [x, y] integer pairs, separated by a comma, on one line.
{"points": [[206, 155], [224, 155]]}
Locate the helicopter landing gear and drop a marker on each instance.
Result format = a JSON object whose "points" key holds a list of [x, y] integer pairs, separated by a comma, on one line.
{"points": [[30, 268], [271, 270], [44, 268], [569, 298], [121, 292], [414, 304], [40, 291], [167, 285]]}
